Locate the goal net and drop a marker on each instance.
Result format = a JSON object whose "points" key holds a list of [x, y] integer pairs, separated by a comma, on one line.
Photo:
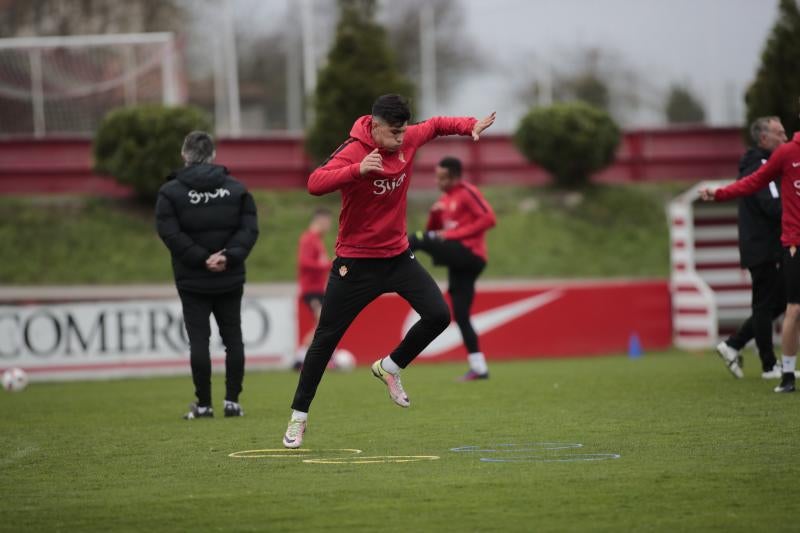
{"points": [[65, 85]]}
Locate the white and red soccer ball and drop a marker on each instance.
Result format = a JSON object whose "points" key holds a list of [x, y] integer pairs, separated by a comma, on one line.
{"points": [[343, 360], [15, 379]]}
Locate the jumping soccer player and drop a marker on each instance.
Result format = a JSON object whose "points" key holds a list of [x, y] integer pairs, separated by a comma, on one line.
{"points": [[313, 266], [456, 237], [372, 170], [784, 164]]}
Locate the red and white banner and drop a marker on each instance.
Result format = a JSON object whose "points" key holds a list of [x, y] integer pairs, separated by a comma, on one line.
{"points": [[87, 340], [555, 319]]}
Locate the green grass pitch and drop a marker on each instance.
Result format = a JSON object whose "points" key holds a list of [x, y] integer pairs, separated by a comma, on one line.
{"points": [[699, 451]]}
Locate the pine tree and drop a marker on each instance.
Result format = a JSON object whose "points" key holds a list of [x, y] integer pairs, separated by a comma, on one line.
{"points": [[682, 107], [776, 89], [360, 68]]}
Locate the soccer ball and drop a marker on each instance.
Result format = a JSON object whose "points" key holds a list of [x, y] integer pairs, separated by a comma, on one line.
{"points": [[344, 360], [15, 379]]}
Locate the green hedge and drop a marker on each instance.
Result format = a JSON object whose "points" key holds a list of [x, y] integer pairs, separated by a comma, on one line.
{"points": [[139, 146], [570, 140]]}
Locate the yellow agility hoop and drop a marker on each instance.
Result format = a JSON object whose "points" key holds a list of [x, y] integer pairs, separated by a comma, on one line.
{"points": [[287, 453], [375, 459]]}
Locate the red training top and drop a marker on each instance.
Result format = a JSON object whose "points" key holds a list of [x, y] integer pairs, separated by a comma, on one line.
{"points": [[312, 263], [373, 218], [784, 164], [464, 215]]}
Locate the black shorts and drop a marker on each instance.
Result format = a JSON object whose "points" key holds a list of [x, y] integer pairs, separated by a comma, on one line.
{"points": [[791, 275], [311, 297]]}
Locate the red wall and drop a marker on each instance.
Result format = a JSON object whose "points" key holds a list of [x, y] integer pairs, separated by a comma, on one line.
{"points": [[553, 319], [64, 165]]}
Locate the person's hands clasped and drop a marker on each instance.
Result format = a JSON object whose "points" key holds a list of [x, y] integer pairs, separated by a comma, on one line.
{"points": [[217, 262], [373, 162]]}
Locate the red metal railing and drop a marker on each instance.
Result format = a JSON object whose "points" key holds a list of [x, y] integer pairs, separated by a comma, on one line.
{"points": [[64, 165]]}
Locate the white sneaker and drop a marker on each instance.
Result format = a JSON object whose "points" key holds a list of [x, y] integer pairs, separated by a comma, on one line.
{"points": [[393, 384], [775, 373], [293, 438], [730, 358]]}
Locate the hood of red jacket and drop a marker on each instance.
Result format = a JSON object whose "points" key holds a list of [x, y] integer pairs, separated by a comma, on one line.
{"points": [[796, 137], [362, 130]]}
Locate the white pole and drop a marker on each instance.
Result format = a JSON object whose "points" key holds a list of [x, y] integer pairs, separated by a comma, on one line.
{"points": [[309, 55], [427, 48], [169, 80], [546, 86], [220, 98], [294, 84], [232, 71], [130, 78], [37, 92]]}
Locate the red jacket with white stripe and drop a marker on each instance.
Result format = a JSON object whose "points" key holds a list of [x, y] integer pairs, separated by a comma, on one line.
{"points": [[372, 222], [464, 215], [784, 164]]}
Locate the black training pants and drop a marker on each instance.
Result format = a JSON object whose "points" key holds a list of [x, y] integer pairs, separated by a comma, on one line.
{"points": [[463, 269], [352, 285], [768, 303], [227, 311]]}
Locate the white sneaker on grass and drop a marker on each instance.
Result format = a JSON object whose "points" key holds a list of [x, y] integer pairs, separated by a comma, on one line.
{"points": [[393, 384], [731, 359], [775, 373], [293, 438]]}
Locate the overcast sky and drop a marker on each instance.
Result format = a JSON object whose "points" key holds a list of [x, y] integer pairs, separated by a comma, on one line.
{"points": [[713, 46]]}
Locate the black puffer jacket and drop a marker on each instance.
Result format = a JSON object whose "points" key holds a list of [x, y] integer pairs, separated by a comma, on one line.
{"points": [[202, 210], [759, 216]]}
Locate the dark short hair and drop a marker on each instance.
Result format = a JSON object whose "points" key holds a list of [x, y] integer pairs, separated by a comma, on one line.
{"points": [[198, 147], [392, 109], [453, 166]]}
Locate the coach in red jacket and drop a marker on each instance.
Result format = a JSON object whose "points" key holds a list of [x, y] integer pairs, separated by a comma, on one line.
{"points": [[456, 238], [784, 165], [372, 170]]}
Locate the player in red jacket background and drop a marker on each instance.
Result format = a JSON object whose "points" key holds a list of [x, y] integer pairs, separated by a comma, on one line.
{"points": [[456, 238], [784, 164], [372, 170], [313, 266]]}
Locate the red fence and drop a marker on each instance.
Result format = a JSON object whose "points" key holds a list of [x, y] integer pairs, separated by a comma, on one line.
{"points": [[65, 165]]}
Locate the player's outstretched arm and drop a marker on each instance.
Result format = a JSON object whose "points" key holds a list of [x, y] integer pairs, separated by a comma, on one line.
{"points": [[419, 134], [483, 124], [757, 180]]}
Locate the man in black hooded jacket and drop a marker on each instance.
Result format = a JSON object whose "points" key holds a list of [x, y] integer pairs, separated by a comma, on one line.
{"points": [[760, 252], [208, 221]]}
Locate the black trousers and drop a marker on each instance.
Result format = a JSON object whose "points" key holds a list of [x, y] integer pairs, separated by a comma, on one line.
{"points": [[227, 311], [463, 269], [768, 303], [352, 285]]}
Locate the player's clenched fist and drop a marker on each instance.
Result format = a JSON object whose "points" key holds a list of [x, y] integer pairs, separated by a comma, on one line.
{"points": [[373, 162]]}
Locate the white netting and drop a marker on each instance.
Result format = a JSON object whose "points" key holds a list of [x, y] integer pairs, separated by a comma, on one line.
{"points": [[67, 84]]}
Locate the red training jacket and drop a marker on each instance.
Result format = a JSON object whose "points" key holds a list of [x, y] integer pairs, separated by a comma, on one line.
{"points": [[784, 164], [464, 215], [373, 218], [312, 263]]}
